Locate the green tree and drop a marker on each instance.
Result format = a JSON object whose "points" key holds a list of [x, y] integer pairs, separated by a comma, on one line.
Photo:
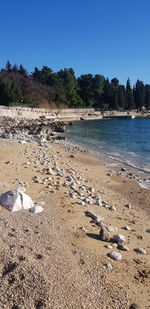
{"points": [[121, 97], [139, 94], [130, 104], [98, 90], [86, 90], [8, 66], [71, 87]]}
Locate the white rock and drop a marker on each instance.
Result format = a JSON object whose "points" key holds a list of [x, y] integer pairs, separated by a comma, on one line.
{"points": [[140, 250], [126, 227], [128, 206], [115, 255], [15, 200], [107, 266], [119, 239], [36, 209], [22, 142], [108, 246]]}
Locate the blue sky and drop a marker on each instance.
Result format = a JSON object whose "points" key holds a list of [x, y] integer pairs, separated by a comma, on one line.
{"points": [[108, 37]]}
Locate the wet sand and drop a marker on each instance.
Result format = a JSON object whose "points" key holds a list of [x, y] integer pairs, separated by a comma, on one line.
{"points": [[55, 259]]}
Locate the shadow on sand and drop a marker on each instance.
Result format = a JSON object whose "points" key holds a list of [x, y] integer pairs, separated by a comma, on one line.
{"points": [[92, 235]]}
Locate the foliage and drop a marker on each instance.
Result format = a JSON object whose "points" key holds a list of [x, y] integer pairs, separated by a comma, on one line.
{"points": [[62, 88]]}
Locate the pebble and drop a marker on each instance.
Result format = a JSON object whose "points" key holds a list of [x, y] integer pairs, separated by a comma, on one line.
{"points": [[115, 255], [140, 250], [123, 169], [108, 246], [148, 230], [126, 227], [134, 306], [112, 208], [128, 206], [107, 266]]}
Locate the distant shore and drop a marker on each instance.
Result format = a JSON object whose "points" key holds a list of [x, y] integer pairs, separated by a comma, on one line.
{"points": [[67, 114]]}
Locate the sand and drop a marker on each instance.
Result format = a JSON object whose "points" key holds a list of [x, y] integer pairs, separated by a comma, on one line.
{"points": [[55, 259]]}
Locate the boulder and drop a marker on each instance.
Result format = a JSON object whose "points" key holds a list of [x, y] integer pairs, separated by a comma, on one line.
{"points": [[15, 200]]}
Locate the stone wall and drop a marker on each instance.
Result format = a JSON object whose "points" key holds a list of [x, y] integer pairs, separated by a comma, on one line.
{"points": [[34, 113]]}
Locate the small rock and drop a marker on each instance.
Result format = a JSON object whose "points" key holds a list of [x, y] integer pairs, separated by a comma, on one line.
{"points": [[123, 169], [119, 239], [108, 246], [115, 255], [109, 174], [104, 234], [107, 266], [134, 306], [126, 227], [128, 206], [148, 230], [140, 250], [112, 208]]}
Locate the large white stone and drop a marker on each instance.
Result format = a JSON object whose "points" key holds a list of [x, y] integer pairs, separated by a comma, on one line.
{"points": [[15, 200]]}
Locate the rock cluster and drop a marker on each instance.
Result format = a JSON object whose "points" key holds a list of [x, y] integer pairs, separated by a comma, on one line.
{"points": [[39, 130]]}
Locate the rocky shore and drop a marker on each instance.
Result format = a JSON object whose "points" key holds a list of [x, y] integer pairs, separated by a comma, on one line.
{"points": [[89, 248]]}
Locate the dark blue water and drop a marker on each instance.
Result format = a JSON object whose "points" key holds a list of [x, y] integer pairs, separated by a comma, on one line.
{"points": [[125, 140]]}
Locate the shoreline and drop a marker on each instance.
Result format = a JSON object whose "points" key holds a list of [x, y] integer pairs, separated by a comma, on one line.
{"points": [[75, 249], [115, 165]]}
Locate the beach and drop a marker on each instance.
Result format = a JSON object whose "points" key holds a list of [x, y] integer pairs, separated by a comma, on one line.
{"points": [[55, 259]]}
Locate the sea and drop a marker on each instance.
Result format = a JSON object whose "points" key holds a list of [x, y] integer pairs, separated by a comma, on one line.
{"points": [[119, 142]]}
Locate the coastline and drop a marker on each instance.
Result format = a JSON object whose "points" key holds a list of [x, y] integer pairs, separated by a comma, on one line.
{"points": [[71, 272]]}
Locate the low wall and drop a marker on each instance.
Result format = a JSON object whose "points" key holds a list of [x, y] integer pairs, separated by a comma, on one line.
{"points": [[34, 113]]}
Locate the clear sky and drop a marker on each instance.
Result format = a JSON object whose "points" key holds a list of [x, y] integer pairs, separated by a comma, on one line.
{"points": [[108, 37]]}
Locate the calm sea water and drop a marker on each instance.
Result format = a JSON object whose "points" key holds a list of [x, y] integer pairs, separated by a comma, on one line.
{"points": [[124, 140]]}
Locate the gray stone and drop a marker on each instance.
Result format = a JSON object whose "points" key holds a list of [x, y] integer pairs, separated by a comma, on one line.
{"points": [[115, 255], [104, 234], [140, 250], [119, 239]]}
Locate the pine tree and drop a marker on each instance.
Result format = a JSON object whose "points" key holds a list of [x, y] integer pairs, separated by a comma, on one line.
{"points": [[139, 94], [130, 104]]}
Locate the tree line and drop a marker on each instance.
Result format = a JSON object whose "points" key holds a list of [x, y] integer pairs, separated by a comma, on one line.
{"points": [[62, 89]]}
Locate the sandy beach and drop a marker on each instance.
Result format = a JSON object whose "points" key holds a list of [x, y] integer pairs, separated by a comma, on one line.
{"points": [[55, 259]]}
